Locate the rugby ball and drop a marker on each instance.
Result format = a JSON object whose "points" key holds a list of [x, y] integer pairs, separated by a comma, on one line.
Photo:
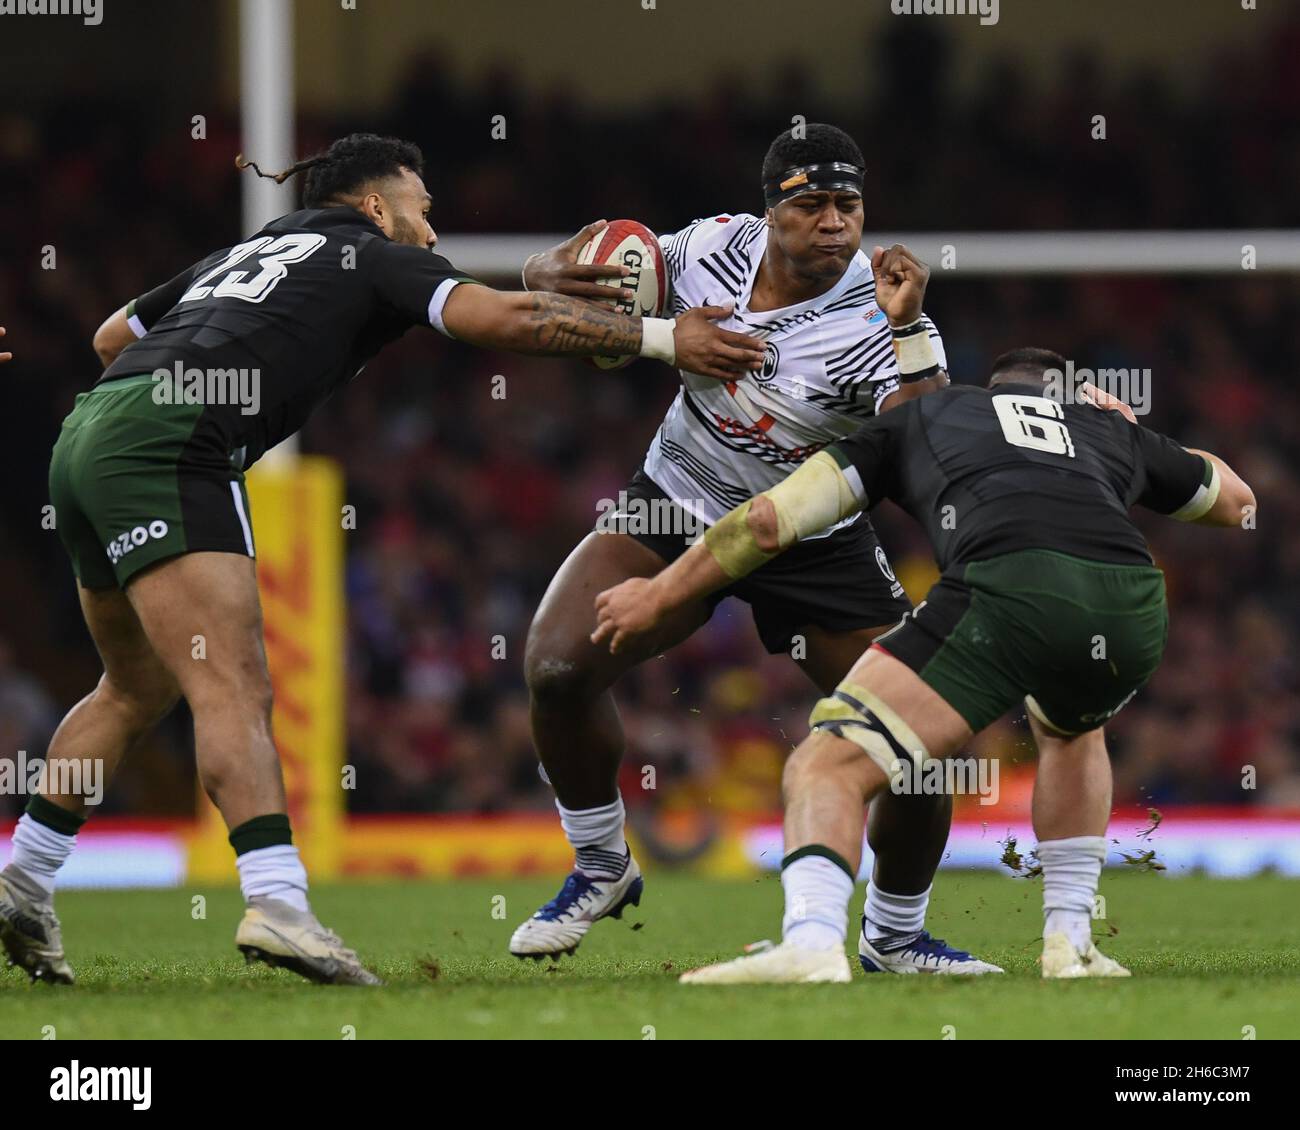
{"points": [[625, 243]]}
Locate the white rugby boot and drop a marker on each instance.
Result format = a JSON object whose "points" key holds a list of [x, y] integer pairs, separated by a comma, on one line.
{"points": [[768, 964], [274, 932], [29, 930], [1061, 960]]}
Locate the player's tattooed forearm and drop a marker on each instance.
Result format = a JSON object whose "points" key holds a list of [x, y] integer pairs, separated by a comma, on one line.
{"points": [[573, 325]]}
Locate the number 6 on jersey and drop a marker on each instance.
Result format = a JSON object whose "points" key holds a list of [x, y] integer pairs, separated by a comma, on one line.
{"points": [[1034, 422]]}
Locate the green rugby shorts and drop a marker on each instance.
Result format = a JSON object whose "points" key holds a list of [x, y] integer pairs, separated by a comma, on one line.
{"points": [[1076, 639], [134, 482]]}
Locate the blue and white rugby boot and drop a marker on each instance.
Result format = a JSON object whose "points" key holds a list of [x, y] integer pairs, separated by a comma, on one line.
{"points": [[563, 922], [922, 954]]}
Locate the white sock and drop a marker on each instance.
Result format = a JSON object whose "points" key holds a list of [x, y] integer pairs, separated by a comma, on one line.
{"points": [[597, 838], [894, 914], [817, 894], [1071, 869], [274, 873], [39, 851]]}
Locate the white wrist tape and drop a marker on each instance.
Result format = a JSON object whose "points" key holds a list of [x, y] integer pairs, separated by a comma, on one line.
{"points": [[657, 339], [915, 354]]}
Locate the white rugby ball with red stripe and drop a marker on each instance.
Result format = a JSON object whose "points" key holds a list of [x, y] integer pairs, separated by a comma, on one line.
{"points": [[625, 243]]}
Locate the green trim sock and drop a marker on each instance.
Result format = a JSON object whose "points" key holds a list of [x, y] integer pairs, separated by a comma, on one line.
{"points": [[818, 885], [268, 863], [271, 830], [42, 841], [1071, 870], [274, 873], [52, 816], [825, 853]]}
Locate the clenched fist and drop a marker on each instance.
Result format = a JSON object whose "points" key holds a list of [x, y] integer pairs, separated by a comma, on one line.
{"points": [[900, 283]]}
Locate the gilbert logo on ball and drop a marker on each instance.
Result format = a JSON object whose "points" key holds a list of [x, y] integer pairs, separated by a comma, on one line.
{"points": [[626, 243]]}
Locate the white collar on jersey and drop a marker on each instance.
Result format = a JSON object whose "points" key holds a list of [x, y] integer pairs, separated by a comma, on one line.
{"points": [[850, 278]]}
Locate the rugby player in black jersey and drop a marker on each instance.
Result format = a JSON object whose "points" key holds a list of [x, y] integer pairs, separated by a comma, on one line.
{"points": [[1047, 594], [202, 376]]}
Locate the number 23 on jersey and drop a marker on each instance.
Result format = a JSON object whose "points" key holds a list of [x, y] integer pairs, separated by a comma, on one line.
{"points": [[273, 255]]}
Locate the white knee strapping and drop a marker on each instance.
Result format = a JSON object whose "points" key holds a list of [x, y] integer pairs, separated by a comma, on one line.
{"points": [[855, 714]]}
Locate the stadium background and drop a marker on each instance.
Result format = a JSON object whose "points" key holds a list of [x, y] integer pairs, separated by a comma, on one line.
{"points": [[466, 504]]}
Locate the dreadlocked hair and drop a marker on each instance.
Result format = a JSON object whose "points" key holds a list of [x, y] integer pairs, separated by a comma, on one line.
{"points": [[346, 166], [280, 177]]}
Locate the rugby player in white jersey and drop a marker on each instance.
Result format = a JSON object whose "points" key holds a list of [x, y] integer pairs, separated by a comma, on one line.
{"points": [[796, 278]]}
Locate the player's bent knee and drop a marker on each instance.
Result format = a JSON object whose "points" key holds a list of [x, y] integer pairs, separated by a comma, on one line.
{"points": [[554, 679], [854, 713]]}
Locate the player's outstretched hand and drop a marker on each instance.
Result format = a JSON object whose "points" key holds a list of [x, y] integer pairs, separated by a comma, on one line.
{"points": [[4, 356], [625, 612], [558, 270], [711, 351], [900, 283]]}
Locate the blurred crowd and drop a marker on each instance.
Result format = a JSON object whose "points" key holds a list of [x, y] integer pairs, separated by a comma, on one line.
{"points": [[466, 503]]}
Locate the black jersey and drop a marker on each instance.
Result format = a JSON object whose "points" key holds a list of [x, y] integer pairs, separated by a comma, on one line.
{"points": [[304, 304], [993, 471]]}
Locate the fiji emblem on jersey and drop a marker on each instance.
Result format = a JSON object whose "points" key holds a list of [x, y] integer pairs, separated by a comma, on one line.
{"points": [[874, 315], [771, 359]]}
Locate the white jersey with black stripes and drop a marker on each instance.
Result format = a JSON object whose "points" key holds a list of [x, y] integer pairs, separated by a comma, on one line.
{"points": [[830, 362]]}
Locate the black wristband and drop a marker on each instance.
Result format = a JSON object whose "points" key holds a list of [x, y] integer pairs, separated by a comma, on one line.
{"points": [[909, 330]]}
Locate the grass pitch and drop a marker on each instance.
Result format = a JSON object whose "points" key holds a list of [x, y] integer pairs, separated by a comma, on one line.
{"points": [[1209, 958]]}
